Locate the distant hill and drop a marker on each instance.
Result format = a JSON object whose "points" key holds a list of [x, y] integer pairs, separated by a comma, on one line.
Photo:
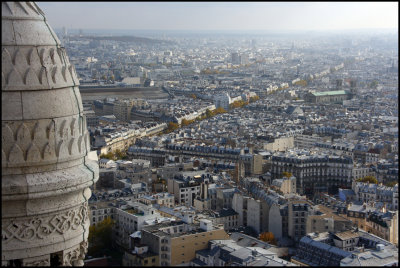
{"points": [[123, 38]]}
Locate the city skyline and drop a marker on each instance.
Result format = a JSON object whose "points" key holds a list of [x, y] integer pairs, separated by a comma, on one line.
{"points": [[222, 16]]}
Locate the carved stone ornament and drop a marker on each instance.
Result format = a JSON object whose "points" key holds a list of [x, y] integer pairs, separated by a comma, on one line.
{"points": [[46, 164], [30, 229]]}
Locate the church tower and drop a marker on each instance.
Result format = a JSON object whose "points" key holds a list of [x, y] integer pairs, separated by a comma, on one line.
{"points": [[46, 163]]}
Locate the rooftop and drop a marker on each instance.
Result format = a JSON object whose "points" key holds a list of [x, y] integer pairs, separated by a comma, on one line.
{"points": [[330, 93]]}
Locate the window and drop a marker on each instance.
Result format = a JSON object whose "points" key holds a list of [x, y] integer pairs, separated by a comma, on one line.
{"points": [[153, 260]]}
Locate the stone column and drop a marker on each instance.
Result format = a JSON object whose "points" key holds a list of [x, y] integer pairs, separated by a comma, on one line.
{"points": [[46, 168]]}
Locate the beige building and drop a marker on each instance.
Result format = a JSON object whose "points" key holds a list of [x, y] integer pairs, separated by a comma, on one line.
{"points": [[298, 212], [280, 144], [285, 185], [162, 199], [122, 109], [378, 221], [328, 221], [176, 243]]}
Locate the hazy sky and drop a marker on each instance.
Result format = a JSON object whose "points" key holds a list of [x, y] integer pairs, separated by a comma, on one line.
{"points": [[221, 15]]}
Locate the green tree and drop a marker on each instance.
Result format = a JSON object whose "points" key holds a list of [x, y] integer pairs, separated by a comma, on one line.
{"points": [[301, 83], [391, 183], [220, 110], [209, 113], [286, 174], [184, 122], [109, 155], [119, 154], [171, 127], [238, 104], [369, 179], [254, 98], [100, 237]]}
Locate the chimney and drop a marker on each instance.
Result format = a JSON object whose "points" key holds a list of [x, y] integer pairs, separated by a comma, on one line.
{"points": [[188, 217], [349, 205], [254, 252]]}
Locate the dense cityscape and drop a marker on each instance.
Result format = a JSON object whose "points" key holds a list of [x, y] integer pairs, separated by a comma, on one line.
{"points": [[227, 149]]}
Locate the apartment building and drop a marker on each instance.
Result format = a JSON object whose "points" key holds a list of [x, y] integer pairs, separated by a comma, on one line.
{"points": [[140, 256], [162, 199], [375, 219], [314, 172], [176, 242], [226, 217], [185, 190], [131, 218], [100, 212], [370, 192], [285, 185], [327, 220], [233, 253], [251, 212], [298, 212], [349, 248], [122, 109]]}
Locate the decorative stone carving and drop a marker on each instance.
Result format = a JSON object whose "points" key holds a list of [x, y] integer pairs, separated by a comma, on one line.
{"points": [[30, 68], [46, 168], [37, 261], [71, 255], [32, 142], [41, 227]]}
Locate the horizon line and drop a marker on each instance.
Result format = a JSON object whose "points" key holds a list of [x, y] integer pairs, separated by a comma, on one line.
{"points": [[230, 30]]}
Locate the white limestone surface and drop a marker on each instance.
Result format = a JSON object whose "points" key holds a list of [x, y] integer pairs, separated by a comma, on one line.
{"points": [[46, 167]]}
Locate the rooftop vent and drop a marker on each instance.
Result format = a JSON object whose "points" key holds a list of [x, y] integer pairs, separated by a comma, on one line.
{"points": [[380, 247]]}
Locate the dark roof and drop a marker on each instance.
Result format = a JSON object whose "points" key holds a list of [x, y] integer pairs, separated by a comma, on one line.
{"points": [[226, 212], [199, 262]]}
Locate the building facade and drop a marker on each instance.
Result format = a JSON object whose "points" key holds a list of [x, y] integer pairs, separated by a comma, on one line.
{"points": [[176, 243]]}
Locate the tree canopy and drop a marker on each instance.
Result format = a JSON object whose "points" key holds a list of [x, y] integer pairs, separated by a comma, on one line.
{"points": [[369, 179], [268, 237], [100, 237], [287, 174]]}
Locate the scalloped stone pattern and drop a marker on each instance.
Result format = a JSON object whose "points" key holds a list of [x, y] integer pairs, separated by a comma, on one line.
{"points": [[36, 68], [46, 166], [44, 141]]}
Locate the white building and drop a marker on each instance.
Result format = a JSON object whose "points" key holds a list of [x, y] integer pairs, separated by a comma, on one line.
{"points": [[223, 101]]}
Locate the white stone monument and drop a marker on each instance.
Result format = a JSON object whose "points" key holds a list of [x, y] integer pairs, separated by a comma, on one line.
{"points": [[45, 162]]}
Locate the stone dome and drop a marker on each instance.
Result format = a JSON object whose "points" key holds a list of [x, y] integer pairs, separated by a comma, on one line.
{"points": [[47, 166]]}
